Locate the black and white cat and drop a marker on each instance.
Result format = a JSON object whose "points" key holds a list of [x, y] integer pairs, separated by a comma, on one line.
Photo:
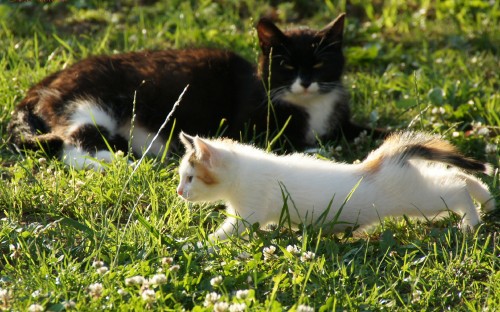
{"points": [[87, 108], [413, 174]]}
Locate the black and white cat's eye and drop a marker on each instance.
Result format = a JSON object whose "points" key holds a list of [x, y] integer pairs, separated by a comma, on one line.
{"points": [[286, 65], [318, 65]]}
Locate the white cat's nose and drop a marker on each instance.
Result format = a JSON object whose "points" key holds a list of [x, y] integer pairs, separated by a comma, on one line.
{"points": [[179, 191]]}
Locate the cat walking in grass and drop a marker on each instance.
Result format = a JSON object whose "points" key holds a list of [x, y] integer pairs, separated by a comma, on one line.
{"points": [[412, 174], [88, 108]]}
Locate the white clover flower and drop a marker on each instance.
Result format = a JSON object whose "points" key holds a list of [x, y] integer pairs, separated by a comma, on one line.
{"points": [[438, 111], [122, 292], [5, 296], [361, 138], [102, 270], [98, 264], [483, 131], [68, 304], [158, 279], [242, 294], [455, 134], [167, 260], [237, 307], [294, 250], [135, 280], [95, 290], [268, 252], [221, 306], [216, 281], [36, 308], [304, 308], [174, 268], [79, 184], [307, 256], [211, 299], [491, 148], [148, 295], [16, 251], [35, 294]]}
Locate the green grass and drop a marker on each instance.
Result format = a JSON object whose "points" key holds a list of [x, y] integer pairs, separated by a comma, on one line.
{"points": [[431, 65]]}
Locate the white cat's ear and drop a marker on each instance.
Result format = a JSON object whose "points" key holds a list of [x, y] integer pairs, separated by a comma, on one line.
{"points": [[269, 34], [187, 140], [205, 152], [334, 30]]}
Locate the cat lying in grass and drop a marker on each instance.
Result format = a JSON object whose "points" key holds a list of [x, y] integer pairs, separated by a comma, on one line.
{"points": [[88, 108], [413, 174]]}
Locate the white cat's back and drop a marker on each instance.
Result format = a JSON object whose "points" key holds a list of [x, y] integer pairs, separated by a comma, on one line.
{"points": [[307, 185]]}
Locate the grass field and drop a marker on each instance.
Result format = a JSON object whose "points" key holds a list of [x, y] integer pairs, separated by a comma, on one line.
{"points": [[113, 241]]}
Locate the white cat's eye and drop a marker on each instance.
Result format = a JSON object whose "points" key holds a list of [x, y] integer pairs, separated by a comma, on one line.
{"points": [[190, 179], [318, 65]]}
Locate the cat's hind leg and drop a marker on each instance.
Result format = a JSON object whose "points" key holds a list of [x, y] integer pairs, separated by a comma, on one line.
{"points": [[91, 132], [479, 191], [90, 146], [462, 204]]}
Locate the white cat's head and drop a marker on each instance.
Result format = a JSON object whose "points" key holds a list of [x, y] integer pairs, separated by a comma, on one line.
{"points": [[202, 170]]}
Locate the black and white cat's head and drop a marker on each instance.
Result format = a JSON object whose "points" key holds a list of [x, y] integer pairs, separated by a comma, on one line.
{"points": [[303, 63], [201, 171]]}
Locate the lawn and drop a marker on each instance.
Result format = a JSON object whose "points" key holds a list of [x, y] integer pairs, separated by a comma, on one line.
{"points": [[112, 241]]}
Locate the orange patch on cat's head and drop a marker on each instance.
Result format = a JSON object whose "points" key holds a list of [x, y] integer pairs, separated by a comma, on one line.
{"points": [[202, 172]]}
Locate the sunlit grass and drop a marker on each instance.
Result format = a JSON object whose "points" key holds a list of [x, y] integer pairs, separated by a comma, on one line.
{"points": [[90, 241]]}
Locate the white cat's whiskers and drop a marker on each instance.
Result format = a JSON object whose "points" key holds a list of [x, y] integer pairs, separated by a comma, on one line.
{"points": [[320, 48], [328, 86], [274, 96]]}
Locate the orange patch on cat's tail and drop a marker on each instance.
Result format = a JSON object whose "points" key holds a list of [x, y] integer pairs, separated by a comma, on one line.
{"points": [[403, 146]]}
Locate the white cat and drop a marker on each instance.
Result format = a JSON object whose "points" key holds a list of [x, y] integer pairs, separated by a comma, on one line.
{"points": [[412, 174]]}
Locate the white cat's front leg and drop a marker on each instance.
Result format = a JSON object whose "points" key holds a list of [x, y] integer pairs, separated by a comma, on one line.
{"points": [[230, 227]]}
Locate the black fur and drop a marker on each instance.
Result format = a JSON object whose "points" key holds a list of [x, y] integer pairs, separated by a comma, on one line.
{"points": [[443, 156], [222, 86]]}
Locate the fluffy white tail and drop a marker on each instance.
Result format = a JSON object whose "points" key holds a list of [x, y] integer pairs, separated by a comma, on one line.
{"points": [[401, 147]]}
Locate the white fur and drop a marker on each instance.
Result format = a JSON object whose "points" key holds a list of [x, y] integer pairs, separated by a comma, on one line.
{"points": [[256, 185], [88, 112], [319, 106], [298, 88], [141, 139]]}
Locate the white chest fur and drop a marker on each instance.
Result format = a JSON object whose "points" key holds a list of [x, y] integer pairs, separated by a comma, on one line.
{"points": [[319, 107]]}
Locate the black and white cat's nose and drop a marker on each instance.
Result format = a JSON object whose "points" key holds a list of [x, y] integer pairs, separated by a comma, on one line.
{"points": [[304, 86], [305, 83]]}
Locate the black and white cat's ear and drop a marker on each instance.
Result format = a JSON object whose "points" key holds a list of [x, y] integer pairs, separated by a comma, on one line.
{"points": [[334, 30], [269, 35], [187, 140]]}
